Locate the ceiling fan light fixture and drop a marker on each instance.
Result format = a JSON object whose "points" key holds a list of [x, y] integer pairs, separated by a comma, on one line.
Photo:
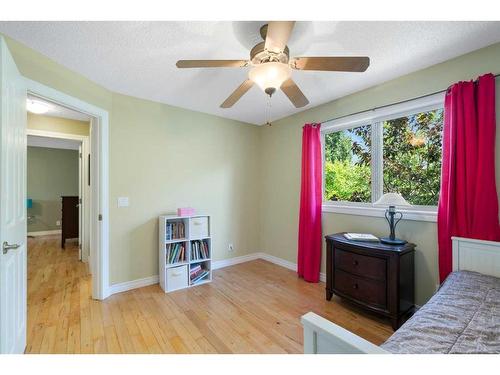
{"points": [[270, 75]]}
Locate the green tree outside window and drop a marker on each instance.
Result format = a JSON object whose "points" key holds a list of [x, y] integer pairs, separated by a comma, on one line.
{"points": [[411, 160]]}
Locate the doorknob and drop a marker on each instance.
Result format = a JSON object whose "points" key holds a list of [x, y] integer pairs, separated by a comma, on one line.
{"points": [[6, 247]]}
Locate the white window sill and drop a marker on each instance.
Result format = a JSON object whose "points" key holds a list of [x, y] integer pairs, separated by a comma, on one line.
{"points": [[369, 210]]}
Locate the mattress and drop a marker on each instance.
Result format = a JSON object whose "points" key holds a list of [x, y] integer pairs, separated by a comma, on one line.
{"points": [[462, 317]]}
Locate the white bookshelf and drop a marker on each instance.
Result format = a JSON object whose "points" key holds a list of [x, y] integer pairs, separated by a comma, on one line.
{"points": [[175, 273]]}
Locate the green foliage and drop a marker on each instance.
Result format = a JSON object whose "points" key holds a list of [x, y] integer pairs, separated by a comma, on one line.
{"points": [[347, 170], [412, 157], [347, 182], [412, 160], [337, 147]]}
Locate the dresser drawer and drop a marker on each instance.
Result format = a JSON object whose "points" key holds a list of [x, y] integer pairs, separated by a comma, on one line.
{"points": [[367, 291], [361, 265]]}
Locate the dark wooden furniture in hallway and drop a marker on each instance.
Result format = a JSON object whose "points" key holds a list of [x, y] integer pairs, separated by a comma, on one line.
{"points": [[373, 275], [69, 219]]}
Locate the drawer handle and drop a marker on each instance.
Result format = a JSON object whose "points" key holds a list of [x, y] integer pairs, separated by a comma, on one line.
{"points": [[355, 262], [177, 273], [355, 286]]}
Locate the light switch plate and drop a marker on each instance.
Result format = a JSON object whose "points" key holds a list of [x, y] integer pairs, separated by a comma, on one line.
{"points": [[123, 202]]}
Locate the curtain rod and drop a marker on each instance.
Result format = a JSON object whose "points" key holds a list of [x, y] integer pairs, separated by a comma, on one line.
{"points": [[390, 104]]}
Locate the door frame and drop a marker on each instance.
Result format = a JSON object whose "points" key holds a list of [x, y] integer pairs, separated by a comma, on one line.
{"points": [[99, 171], [82, 180]]}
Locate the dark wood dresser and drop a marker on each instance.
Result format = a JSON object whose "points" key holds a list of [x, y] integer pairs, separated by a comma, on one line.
{"points": [[372, 275], [69, 219]]}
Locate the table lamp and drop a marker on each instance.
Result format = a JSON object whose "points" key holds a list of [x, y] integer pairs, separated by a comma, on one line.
{"points": [[392, 200]]}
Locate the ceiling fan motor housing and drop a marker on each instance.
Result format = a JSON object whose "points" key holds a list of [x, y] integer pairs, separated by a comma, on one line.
{"points": [[259, 55]]}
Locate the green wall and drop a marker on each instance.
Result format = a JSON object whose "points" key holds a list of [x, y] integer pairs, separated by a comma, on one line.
{"points": [[163, 157], [281, 154], [51, 174]]}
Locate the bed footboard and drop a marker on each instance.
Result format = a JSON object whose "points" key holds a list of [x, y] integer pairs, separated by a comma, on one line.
{"points": [[324, 337]]}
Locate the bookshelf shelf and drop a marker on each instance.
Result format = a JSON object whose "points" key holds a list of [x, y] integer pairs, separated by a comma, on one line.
{"points": [[170, 265], [176, 240], [199, 261], [199, 239], [201, 282], [196, 242]]}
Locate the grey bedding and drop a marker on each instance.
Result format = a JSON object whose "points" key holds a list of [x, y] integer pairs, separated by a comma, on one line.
{"points": [[462, 317]]}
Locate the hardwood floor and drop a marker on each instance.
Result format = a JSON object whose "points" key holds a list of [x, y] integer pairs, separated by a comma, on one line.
{"points": [[252, 307]]}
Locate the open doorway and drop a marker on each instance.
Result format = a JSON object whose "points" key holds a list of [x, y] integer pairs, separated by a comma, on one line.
{"points": [[96, 175], [14, 89], [58, 180]]}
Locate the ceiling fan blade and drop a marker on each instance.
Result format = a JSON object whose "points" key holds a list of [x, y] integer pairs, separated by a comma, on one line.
{"points": [[237, 94], [278, 33], [333, 64], [211, 63], [293, 92]]}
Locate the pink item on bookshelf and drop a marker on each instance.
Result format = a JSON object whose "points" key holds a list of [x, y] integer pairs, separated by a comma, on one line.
{"points": [[185, 211]]}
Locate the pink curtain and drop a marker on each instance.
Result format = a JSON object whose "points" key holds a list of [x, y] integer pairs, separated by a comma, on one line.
{"points": [[468, 203], [309, 249]]}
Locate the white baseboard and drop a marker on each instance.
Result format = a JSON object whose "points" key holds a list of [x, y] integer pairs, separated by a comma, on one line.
{"points": [[279, 261], [285, 263], [216, 264], [129, 285], [44, 233]]}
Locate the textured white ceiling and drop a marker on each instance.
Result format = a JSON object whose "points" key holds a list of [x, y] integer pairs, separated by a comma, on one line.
{"points": [[56, 110], [138, 58], [47, 142]]}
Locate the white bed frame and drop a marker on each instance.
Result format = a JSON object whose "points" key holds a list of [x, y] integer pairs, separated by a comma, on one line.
{"points": [[322, 336]]}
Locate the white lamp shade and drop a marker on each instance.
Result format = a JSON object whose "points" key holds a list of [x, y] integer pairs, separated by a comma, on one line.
{"points": [[392, 199], [270, 75]]}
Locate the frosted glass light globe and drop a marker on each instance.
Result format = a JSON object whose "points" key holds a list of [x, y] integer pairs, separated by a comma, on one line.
{"points": [[36, 107], [270, 75]]}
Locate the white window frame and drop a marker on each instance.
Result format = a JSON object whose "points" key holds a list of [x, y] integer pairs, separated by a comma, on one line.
{"points": [[375, 118]]}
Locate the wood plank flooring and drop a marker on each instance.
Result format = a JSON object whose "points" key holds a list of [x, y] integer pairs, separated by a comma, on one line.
{"points": [[252, 307]]}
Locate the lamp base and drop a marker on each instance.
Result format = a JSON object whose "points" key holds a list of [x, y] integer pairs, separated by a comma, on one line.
{"points": [[395, 241]]}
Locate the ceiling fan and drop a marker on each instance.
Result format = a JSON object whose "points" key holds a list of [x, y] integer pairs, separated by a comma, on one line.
{"points": [[271, 65]]}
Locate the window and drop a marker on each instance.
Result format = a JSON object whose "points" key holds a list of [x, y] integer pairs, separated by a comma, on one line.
{"points": [[347, 165], [393, 149], [412, 156]]}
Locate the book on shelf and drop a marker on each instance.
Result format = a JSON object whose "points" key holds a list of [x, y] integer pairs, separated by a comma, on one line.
{"points": [[367, 237], [194, 271], [176, 253], [197, 273], [200, 250], [201, 275], [175, 230]]}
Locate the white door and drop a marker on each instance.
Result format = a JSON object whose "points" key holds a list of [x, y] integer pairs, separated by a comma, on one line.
{"points": [[13, 277]]}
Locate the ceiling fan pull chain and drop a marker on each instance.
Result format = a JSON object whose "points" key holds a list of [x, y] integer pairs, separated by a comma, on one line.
{"points": [[268, 111]]}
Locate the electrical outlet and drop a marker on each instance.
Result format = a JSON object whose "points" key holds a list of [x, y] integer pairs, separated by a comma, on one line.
{"points": [[58, 223], [230, 247]]}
